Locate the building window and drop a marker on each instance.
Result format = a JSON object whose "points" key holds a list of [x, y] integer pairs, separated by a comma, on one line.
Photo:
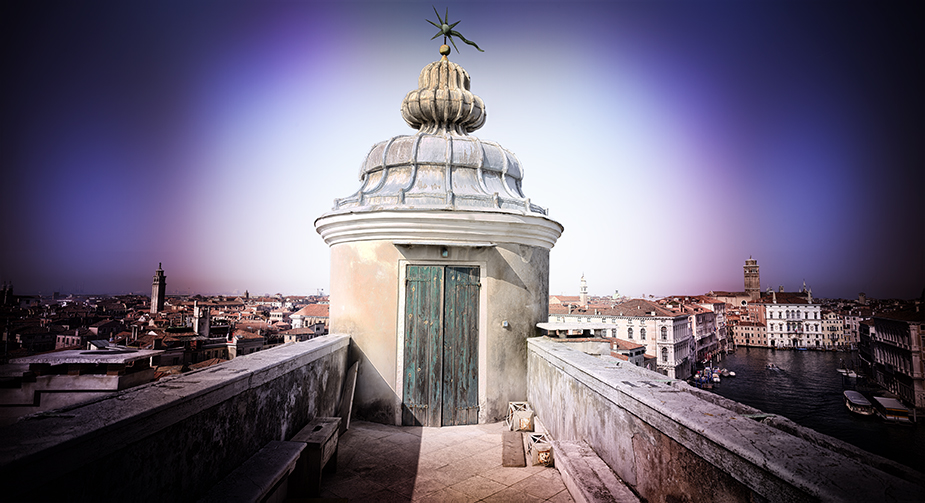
{"points": [[664, 333], [664, 355], [629, 332], [642, 333]]}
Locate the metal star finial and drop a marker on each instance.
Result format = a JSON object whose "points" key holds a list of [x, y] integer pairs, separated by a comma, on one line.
{"points": [[448, 32]]}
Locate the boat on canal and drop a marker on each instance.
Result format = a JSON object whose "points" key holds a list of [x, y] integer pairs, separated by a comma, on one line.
{"points": [[892, 410], [857, 403], [773, 366]]}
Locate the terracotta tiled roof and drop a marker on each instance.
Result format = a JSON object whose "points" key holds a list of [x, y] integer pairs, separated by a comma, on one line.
{"points": [[641, 307], [314, 311], [558, 309], [206, 363], [622, 345]]}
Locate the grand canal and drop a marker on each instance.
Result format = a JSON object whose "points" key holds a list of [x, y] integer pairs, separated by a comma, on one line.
{"points": [[808, 391]]}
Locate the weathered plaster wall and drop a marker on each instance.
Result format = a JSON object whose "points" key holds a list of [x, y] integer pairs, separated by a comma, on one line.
{"points": [[672, 442], [364, 304], [367, 296], [518, 292], [172, 439]]}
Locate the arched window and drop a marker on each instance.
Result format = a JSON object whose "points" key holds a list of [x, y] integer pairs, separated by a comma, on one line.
{"points": [[664, 355], [664, 333], [629, 332], [805, 316], [642, 333]]}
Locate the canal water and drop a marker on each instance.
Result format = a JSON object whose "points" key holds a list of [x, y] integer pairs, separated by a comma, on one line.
{"points": [[808, 391]]}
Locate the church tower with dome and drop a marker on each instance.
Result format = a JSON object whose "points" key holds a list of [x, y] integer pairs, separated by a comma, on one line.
{"points": [[439, 265]]}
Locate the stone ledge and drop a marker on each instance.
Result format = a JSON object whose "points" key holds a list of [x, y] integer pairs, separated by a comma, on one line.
{"points": [[587, 477], [580, 397], [196, 415]]}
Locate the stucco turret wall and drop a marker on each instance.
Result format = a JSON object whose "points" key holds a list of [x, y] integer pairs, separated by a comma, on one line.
{"points": [[370, 294]]}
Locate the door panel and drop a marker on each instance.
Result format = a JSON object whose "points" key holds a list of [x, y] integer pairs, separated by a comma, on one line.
{"points": [[422, 361], [441, 346], [460, 346]]}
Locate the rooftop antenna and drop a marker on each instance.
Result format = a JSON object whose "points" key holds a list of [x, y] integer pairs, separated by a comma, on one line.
{"points": [[448, 32]]}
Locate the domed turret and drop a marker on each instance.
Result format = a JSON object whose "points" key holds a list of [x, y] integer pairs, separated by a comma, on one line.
{"points": [[439, 226]]}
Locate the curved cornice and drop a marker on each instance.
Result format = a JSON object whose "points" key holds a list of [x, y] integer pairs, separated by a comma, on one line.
{"points": [[428, 226]]}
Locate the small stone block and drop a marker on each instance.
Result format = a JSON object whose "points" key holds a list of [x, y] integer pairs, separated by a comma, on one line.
{"points": [[320, 437], [512, 449]]}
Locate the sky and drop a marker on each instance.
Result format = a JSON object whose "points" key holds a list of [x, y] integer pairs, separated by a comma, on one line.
{"points": [[672, 139]]}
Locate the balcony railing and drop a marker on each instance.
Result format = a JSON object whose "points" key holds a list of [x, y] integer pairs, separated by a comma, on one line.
{"points": [[650, 429], [172, 439]]}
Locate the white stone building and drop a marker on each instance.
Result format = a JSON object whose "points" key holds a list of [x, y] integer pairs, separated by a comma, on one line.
{"points": [[666, 333], [794, 321]]}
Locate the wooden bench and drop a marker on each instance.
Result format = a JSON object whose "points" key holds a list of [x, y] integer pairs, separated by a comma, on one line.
{"points": [[263, 477], [319, 438]]}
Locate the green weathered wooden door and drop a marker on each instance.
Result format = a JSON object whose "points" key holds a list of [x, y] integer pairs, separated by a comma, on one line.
{"points": [[441, 346]]}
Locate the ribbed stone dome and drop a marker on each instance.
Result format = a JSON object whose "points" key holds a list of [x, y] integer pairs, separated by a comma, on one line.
{"points": [[440, 167]]}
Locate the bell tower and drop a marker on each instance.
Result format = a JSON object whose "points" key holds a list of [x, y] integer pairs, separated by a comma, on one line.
{"points": [[752, 279], [584, 291], [158, 290]]}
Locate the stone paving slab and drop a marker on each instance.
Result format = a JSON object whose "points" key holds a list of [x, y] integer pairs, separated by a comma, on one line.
{"points": [[451, 464]]}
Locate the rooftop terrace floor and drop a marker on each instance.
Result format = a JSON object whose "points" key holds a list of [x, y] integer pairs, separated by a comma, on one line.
{"points": [[459, 463]]}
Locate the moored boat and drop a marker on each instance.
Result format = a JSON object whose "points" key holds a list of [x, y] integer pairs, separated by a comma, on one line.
{"points": [[857, 403], [892, 410]]}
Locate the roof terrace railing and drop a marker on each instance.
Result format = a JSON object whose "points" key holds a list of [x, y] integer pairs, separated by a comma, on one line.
{"points": [[672, 442], [173, 439]]}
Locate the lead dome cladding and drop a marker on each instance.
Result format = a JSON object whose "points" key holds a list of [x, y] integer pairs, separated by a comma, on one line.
{"points": [[440, 167]]}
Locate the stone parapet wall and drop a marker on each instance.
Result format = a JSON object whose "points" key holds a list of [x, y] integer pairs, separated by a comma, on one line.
{"points": [[172, 439], [672, 442]]}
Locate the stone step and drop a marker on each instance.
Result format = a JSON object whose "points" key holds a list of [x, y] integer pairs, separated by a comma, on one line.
{"points": [[587, 477], [512, 449]]}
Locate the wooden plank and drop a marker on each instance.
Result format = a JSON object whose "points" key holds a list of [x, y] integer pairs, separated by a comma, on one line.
{"points": [[471, 345], [345, 407], [434, 344]]}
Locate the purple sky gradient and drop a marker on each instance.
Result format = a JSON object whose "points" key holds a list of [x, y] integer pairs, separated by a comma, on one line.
{"points": [[673, 140]]}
